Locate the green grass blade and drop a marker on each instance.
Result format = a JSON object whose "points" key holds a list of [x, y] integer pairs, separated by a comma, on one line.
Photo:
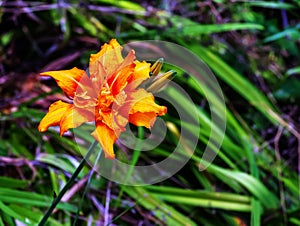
{"points": [[129, 5], [7, 182], [255, 212], [196, 30], [253, 185], [207, 203], [160, 210], [58, 161], [272, 5], [295, 70], [1, 221], [199, 194], [236, 81], [13, 214], [31, 199], [293, 33]]}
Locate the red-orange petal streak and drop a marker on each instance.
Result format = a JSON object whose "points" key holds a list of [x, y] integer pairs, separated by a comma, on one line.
{"points": [[121, 79], [67, 80], [140, 73], [106, 137]]}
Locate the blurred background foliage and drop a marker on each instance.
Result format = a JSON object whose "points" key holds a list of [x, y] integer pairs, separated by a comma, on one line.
{"points": [[253, 49]]}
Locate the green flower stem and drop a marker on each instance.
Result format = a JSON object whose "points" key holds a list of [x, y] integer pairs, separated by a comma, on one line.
{"points": [[68, 184]]}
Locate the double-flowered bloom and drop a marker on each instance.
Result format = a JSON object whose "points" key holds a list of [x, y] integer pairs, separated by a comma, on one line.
{"points": [[108, 93]]}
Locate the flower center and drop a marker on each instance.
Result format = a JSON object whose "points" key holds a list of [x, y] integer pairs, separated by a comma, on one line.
{"points": [[82, 100], [105, 100]]}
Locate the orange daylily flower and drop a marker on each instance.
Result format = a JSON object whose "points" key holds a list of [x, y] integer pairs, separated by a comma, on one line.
{"points": [[108, 94]]}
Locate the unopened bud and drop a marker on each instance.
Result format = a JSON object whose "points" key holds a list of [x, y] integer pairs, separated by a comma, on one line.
{"points": [[156, 67], [160, 81]]}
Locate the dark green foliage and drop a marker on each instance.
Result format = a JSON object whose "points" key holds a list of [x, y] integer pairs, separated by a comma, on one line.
{"points": [[251, 47]]}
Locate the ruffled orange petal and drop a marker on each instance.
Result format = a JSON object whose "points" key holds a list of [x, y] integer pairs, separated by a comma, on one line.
{"points": [[74, 117], [144, 102], [109, 56], [106, 137], [86, 87], [120, 81], [97, 74], [146, 119], [143, 110], [106, 118], [54, 115], [114, 121], [67, 80], [119, 123]]}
